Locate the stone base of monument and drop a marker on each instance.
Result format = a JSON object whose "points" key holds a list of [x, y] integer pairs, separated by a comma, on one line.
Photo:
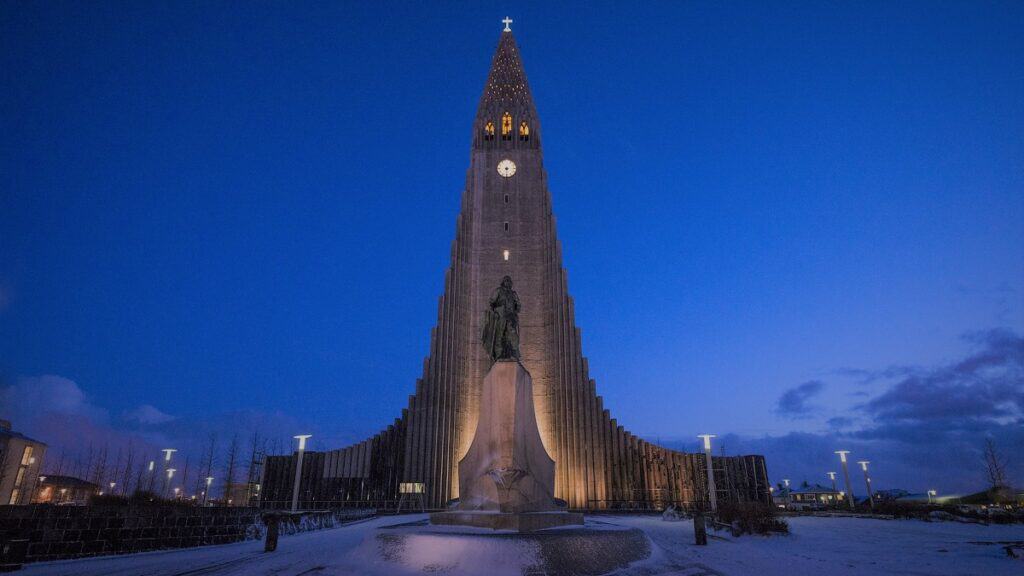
{"points": [[521, 521], [507, 478]]}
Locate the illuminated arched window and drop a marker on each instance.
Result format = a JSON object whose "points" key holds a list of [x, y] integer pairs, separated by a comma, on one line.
{"points": [[524, 131], [506, 126], [489, 131]]}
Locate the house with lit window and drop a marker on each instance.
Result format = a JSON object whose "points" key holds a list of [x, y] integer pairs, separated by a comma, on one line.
{"points": [[65, 491], [21, 458], [812, 497]]}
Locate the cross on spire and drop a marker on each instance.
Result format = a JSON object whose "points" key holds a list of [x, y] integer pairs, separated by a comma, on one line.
{"points": [[506, 22]]}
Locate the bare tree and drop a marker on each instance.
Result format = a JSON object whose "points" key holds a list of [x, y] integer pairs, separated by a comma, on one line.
{"points": [[184, 478], [231, 468], [206, 465], [126, 474], [255, 466], [995, 464], [100, 471]]}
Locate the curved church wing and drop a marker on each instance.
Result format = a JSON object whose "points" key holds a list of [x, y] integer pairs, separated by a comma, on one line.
{"points": [[506, 226]]}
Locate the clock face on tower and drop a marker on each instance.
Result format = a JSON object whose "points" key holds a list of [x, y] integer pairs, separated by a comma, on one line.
{"points": [[506, 168]]}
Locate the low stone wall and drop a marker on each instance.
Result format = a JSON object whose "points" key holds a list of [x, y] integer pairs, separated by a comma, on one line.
{"points": [[58, 532], [61, 532]]}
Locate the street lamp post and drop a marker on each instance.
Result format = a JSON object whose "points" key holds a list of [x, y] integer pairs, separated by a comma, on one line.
{"points": [[112, 484], [298, 469], [789, 496], [206, 494], [712, 492], [846, 476], [867, 481], [167, 480], [152, 474], [832, 476], [931, 495], [167, 465]]}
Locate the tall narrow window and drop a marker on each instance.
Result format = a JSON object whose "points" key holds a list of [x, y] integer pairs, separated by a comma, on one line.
{"points": [[506, 198], [506, 226], [489, 131], [524, 131], [506, 126]]}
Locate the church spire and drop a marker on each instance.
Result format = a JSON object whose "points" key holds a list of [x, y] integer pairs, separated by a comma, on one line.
{"points": [[506, 111]]}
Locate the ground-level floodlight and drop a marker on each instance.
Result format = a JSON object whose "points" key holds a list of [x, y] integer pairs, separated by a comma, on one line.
{"points": [[298, 469], [712, 491], [846, 476], [867, 481]]}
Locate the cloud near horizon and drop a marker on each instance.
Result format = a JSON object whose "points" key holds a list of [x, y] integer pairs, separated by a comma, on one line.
{"points": [[794, 402], [925, 427]]}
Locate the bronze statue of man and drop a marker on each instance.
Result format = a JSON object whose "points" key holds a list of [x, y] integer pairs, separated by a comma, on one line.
{"points": [[501, 324]]}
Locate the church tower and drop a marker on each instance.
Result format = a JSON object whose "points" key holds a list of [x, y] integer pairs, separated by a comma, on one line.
{"points": [[506, 227]]}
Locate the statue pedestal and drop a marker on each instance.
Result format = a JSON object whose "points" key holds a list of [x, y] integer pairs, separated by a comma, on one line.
{"points": [[507, 479]]}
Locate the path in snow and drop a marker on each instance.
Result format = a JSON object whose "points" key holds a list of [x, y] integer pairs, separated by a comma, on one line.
{"points": [[835, 546]]}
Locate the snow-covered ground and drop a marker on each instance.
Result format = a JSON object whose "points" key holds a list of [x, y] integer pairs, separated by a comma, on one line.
{"points": [[835, 546]]}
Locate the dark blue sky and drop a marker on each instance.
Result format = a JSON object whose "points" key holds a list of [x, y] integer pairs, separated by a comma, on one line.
{"points": [[210, 209]]}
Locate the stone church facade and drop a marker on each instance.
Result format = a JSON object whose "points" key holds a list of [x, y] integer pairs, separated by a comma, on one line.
{"points": [[506, 227]]}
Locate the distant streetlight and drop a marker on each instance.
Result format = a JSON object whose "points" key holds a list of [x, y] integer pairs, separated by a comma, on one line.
{"points": [[167, 480], [867, 481], [832, 475], [209, 480], [112, 484], [176, 492], [789, 498], [846, 476], [712, 492], [931, 494], [167, 464], [298, 469]]}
